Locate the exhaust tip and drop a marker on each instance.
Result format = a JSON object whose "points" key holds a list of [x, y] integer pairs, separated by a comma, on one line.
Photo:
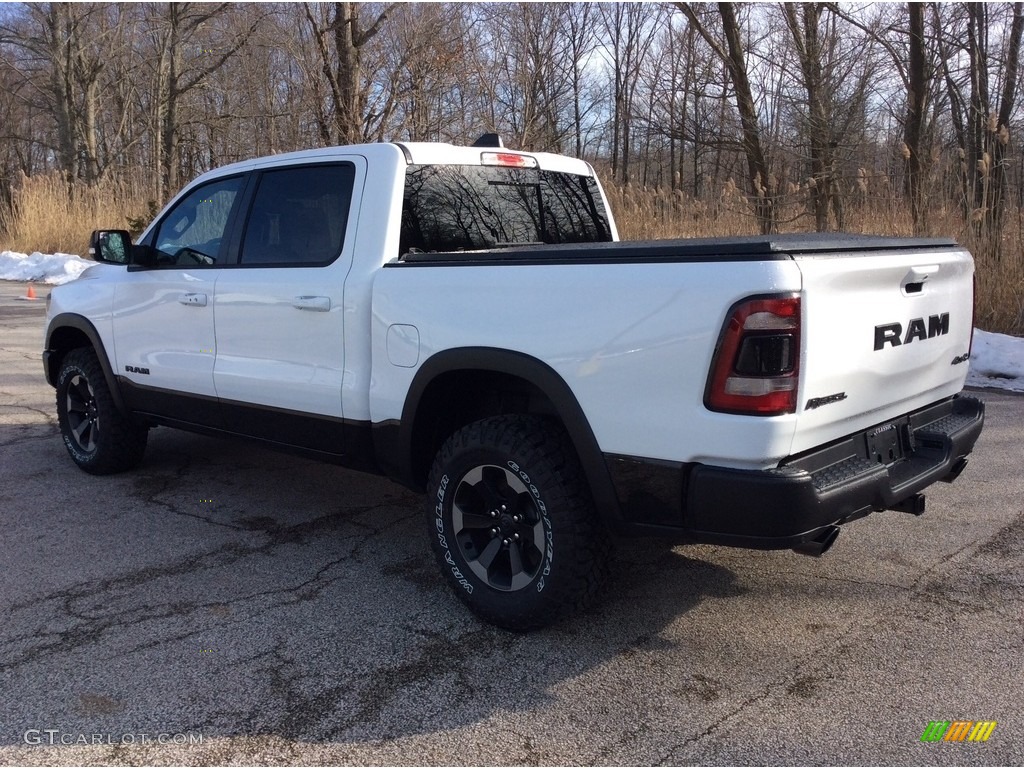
{"points": [[913, 505], [958, 466], [820, 544]]}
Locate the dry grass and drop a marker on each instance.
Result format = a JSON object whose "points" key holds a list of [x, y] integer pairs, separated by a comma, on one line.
{"points": [[49, 216]]}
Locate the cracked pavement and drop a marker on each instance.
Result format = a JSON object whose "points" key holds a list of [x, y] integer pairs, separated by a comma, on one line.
{"points": [[290, 612]]}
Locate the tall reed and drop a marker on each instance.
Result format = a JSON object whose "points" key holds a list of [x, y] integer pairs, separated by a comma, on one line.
{"points": [[49, 215]]}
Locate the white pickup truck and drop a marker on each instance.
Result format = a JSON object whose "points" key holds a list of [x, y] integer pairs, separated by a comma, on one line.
{"points": [[462, 320]]}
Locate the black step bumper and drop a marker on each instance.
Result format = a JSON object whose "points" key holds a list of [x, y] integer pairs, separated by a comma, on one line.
{"points": [[781, 508]]}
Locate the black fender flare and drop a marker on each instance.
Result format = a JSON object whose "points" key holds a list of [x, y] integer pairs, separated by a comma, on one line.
{"points": [[85, 326], [394, 443]]}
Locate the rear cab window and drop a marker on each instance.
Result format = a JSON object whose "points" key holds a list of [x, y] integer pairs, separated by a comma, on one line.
{"points": [[479, 207], [299, 216]]}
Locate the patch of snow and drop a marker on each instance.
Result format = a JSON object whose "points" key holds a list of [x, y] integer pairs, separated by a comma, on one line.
{"points": [[49, 268], [997, 361]]}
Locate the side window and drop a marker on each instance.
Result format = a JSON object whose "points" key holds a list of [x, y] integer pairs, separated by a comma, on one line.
{"points": [[191, 234], [298, 216]]}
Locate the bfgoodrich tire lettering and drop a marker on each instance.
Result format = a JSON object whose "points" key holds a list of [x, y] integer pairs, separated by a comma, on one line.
{"points": [[512, 522], [100, 439]]}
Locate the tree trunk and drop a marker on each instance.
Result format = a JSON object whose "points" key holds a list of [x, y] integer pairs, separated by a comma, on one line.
{"points": [[913, 127], [999, 142], [806, 40], [58, 23], [348, 116], [978, 160], [341, 64], [757, 165], [90, 130], [167, 106]]}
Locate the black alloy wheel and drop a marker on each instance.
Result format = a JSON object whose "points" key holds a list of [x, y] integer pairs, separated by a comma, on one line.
{"points": [[498, 527], [83, 415], [513, 524], [100, 438]]}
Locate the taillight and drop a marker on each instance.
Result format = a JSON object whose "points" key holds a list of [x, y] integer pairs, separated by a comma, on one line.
{"points": [[756, 365]]}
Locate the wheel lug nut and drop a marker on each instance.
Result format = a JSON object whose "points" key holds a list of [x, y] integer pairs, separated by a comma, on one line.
{"points": [[515, 536], [494, 513], [517, 518], [504, 508]]}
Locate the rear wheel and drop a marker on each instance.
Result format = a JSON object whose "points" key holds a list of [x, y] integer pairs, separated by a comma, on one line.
{"points": [[100, 439], [512, 522]]}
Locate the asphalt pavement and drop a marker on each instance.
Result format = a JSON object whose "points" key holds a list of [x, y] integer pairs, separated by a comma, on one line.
{"points": [[224, 604]]}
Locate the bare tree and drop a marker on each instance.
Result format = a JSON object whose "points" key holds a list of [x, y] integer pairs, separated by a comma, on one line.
{"points": [[871, 102], [835, 75], [630, 30], [67, 43], [732, 53], [918, 76], [1007, 102], [906, 42], [579, 41], [185, 58], [424, 64], [981, 127], [340, 36]]}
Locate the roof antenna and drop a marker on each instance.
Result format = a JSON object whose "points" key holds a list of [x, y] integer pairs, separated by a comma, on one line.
{"points": [[489, 140]]}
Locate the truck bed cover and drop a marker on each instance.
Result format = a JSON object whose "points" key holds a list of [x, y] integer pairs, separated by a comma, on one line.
{"points": [[747, 248]]}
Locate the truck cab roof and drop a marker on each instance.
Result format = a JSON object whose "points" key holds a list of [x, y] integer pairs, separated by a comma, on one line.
{"points": [[410, 153]]}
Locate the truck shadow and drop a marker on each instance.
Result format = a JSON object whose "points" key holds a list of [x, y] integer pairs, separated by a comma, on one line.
{"points": [[439, 668], [283, 598]]}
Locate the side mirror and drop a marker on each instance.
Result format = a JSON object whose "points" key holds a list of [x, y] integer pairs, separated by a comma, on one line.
{"points": [[110, 246]]}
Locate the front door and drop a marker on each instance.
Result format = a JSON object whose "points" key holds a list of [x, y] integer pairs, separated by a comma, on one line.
{"points": [[163, 319]]}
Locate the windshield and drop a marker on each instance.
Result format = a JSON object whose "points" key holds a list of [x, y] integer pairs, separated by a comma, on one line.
{"points": [[474, 207]]}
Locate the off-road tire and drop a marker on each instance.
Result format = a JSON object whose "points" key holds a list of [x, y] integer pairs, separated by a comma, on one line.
{"points": [[100, 439], [516, 475]]}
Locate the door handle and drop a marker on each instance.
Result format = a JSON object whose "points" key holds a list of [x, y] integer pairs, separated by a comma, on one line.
{"points": [[193, 299], [313, 303]]}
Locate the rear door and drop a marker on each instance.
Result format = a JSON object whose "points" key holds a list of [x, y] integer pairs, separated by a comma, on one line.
{"points": [[280, 312], [885, 333]]}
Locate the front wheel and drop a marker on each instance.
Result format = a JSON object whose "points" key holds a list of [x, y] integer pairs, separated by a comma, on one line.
{"points": [[100, 439], [513, 524]]}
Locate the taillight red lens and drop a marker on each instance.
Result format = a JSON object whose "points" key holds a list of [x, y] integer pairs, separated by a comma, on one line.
{"points": [[756, 367]]}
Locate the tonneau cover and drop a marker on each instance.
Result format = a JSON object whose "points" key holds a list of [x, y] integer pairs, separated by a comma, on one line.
{"points": [[748, 248]]}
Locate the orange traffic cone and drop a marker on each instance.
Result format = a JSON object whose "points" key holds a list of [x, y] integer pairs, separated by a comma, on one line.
{"points": [[31, 295]]}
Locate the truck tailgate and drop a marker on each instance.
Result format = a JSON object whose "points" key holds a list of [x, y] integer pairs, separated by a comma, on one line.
{"points": [[885, 332]]}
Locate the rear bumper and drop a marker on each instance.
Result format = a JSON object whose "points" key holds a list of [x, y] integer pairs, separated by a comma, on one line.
{"points": [[837, 483]]}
